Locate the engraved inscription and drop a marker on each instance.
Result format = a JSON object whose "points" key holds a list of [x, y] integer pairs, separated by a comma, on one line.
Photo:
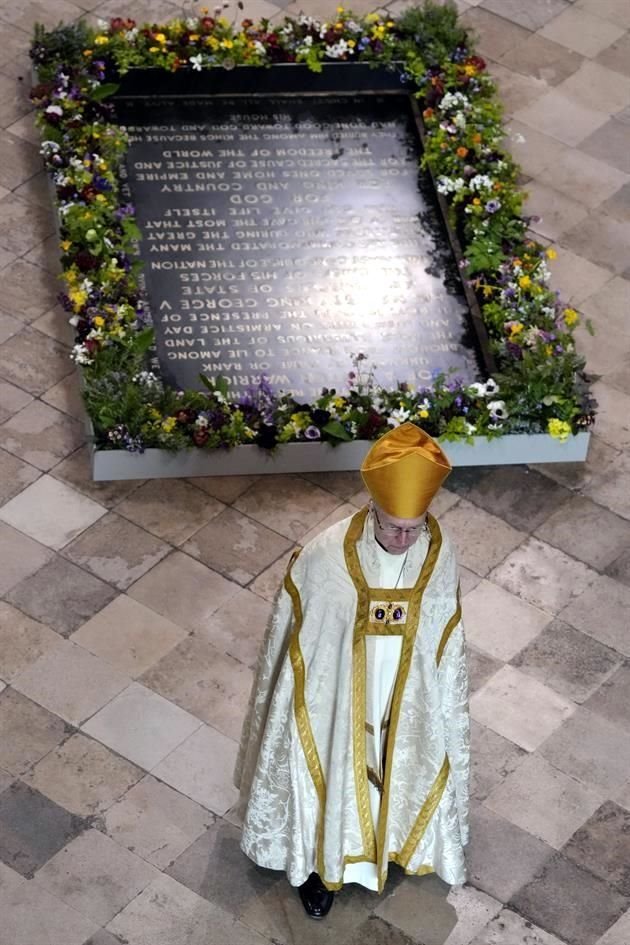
{"points": [[281, 236]]}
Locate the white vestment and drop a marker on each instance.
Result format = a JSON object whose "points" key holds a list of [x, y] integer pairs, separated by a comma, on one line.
{"points": [[345, 654]]}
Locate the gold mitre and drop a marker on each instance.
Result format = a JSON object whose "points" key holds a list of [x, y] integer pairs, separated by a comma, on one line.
{"points": [[404, 470]]}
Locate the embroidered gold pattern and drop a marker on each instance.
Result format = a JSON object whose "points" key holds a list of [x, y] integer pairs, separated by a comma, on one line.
{"points": [[427, 811], [450, 626]]}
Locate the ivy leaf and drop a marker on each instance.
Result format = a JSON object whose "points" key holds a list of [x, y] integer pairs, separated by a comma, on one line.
{"points": [[336, 430], [104, 91]]}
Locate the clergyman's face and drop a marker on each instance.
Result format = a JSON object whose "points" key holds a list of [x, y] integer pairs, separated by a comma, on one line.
{"points": [[396, 535]]}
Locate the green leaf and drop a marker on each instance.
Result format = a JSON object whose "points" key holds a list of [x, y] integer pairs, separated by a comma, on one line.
{"points": [[221, 384], [337, 430], [104, 91]]}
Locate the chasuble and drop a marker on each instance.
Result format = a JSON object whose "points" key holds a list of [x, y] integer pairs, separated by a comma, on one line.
{"points": [[355, 749]]}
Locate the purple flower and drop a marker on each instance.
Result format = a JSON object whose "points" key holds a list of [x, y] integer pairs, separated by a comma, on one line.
{"points": [[312, 433], [493, 205]]}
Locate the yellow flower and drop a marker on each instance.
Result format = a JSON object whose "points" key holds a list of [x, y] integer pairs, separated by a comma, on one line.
{"points": [[78, 297], [103, 166], [469, 69], [548, 350], [571, 317], [101, 40], [339, 402], [338, 25], [160, 38], [65, 245], [168, 424], [524, 282], [193, 37], [98, 320], [226, 44], [551, 253], [351, 43], [390, 24], [372, 18], [87, 52], [213, 42], [423, 414], [154, 48], [100, 198], [515, 329], [559, 429], [476, 201], [339, 9]]}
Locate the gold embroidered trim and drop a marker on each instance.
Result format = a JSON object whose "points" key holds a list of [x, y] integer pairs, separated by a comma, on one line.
{"points": [[427, 811], [359, 673], [411, 629], [450, 626], [302, 720]]}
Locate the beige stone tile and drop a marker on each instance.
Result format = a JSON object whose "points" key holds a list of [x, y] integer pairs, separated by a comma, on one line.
{"points": [[609, 144], [55, 324], [557, 212], [607, 364], [499, 623], [156, 822], [442, 502], [343, 484], [591, 750], [201, 768], [595, 86], [237, 627], [465, 523], [95, 876], [614, 10], [581, 31], [601, 610], [541, 58], [516, 90], [25, 126], [269, 582], [508, 928], [61, 595], [237, 546], [609, 486], [199, 678], [172, 509], [575, 277], [617, 56], [75, 470], [33, 361], [14, 107], [430, 912], [22, 641], [28, 13], [496, 36], [618, 206], [14, 476], [542, 575], [224, 488], [19, 557], [169, 913], [613, 416], [35, 190], [519, 708], [9, 326], [66, 396], [70, 682], [587, 532], [577, 476], [554, 811], [608, 308], [41, 435], [27, 732], [184, 590], [83, 776], [51, 512], [142, 726], [129, 635], [492, 759], [287, 504], [343, 511], [583, 179], [46, 254], [29, 292], [19, 160], [532, 17], [531, 149], [116, 550], [561, 117], [30, 914], [467, 580], [617, 934], [23, 226]]}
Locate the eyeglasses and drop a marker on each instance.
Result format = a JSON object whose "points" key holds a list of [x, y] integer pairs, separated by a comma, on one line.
{"points": [[395, 530]]}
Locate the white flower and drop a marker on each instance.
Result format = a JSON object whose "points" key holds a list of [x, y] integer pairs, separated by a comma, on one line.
{"points": [[102, 25], [191, 23], [196, 62], [54, 110], [81, 355], [130, 35], [491, 387], [450, 185], [454, 100], [498, 410], [480, 182], [459, 119], [398, 416], [477, 389], [470, 428]]}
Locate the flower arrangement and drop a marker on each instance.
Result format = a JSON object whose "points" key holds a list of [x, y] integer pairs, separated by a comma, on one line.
{"points": [[539, 386]]}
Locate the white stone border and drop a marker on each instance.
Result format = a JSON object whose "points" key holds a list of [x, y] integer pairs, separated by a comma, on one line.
{"points": [[321, 457]]}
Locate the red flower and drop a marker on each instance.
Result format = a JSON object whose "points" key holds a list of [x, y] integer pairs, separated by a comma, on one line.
{"points": [[200, 437]]}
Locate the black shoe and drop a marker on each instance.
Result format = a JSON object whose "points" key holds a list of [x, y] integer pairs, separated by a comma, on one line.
{"points": [[316, 899]]}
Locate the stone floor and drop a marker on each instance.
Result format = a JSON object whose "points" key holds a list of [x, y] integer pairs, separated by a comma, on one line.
{"points": [[131, 612]]}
